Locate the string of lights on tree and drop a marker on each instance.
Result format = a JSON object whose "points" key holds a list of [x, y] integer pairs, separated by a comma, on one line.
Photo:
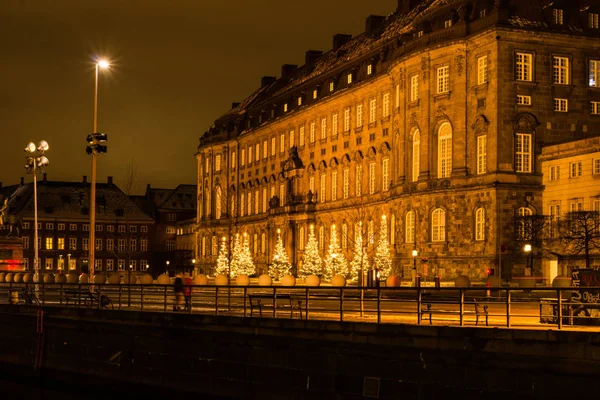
{"points": [[383, 258], [312, 263], [359, 261], [241, 259], [280, 266], [222, 261], [335, 262]]}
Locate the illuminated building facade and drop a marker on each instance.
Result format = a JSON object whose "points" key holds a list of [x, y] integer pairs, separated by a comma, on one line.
{"points": [[434, 116]]}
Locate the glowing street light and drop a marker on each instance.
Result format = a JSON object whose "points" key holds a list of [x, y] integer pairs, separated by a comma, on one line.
{"points": [[35, 161]]}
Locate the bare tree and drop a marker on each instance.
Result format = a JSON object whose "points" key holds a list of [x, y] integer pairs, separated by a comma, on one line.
{"points": [[580, 233]]}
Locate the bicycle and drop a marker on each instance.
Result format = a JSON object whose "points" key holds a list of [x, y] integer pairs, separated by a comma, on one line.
{"points": [[97, 298], [28, 296]]}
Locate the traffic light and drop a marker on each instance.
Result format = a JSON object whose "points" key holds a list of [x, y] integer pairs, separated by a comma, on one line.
{"points": [[94, 140], [490, 271]]}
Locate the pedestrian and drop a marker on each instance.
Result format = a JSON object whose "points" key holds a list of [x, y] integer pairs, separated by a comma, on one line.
{"points": [[187, 290], [178, 289]]}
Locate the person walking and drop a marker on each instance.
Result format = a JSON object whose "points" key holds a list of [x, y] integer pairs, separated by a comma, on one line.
{"points": [[178, 289], [187, 290]]}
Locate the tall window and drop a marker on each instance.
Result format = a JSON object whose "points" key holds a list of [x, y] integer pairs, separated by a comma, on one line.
{"points": [[344, 235], [410, 227], [250, 153], [301, 136], [416, 155], [480, 224], [218, 163], [312, 128], [443, 76], [218, 202], [594, 73], [346, 120], [358, 180], [333, 185], [524, 225], [321, 238], [371, 178], [385, 167], [560, 71], [323, 189], [301, 237], [481, 154], [265, 149], [324, 128], [438, 225], [243, 157], [524, 67], [282, 143], [593, 20], [311, 184], [414, 88], [523, 152], [346, 183], [233, 159], [561, 105], [334, 124], [273, 146], [397, 100], [281, 194], [242, 205], [372, 111], [482, 70], [445, 150], [386, 105], [393, 229], [264, 200], [575, 169], [557, 16], [359, 115]]}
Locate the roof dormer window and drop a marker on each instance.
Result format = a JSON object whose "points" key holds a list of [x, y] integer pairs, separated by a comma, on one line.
{"points": [[448, 23], [420, 33], [315, 92], [285, 107], [557, 16], [331, 86], [482, 13], [300, 100], [349, 78], [593, 20], [369, 69]]}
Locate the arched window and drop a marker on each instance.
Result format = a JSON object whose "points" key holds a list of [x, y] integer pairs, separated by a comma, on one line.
{"points": [[480, 224], [438, 225], [242, 205], [416, 153], [393, 230], [218, 202], [445, 150], [410, 227], [214, 246], [233, 206], [207, 196], [255, 244], [301, 238], [344, 235], [263, 243], [322, 238]]}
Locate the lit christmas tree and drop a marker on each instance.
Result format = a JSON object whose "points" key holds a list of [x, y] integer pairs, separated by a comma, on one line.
{"points": [[280, 265], [359, 261], [335, 262], [383, 259], [247, 263], [222, 261], [241, 260], [313, 264]]}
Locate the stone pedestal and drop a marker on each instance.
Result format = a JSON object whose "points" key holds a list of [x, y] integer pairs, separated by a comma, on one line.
{"points": [[11, 254]]}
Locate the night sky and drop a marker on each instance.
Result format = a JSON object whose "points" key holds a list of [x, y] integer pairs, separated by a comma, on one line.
{"points": [[178, 65]]}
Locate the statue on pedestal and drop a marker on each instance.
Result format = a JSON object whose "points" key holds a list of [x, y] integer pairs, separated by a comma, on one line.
{"points": [[14, 223]]}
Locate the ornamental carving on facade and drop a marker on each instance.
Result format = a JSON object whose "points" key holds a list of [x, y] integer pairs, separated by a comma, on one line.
{"points": [[481, 123], [345, 159], [401, 79], [385, 148], [358, 156], [440, 113], [371, 153], [526, 122], [460, 59], [424, 66], [413, 119], [333, 162]]}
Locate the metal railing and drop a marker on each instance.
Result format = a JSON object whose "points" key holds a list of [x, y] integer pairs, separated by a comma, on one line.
{"points": [[509, 307]]}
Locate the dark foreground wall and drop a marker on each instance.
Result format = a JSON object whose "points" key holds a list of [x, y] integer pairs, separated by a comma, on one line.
{"points": [[253, 358]]}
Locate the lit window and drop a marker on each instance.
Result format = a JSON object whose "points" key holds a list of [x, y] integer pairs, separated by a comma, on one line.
{"points": [[593, 20], [323, 189], [331, 86], [218, 163], [346, 119], [218, 203], [243, 157], [445, 150], [443, 85], [410, 227], [419, 34], [292, 138], [596, 166], [61, 243], [482, 70], [273, 147], [561, 105], [481, 154], [575, 169], [359, 115], [414, 88], [257, 152], [301, 136], [49, 243], [560, 71], [448, 23], [233, 160], [385, 166], [369, 69], [523, 100], [299, 101], [595, 107], [282, 143], [480, 224], [523, 152], [372, 178], [344, 235], [524, 66], [49, 262], [557, 16], [438, 225], [315, 93], [324, 128], [358, 180], [250, 154], [285, 107], [386, 105], [265, 149], [346, 183], [416, 155], [594, 73], [311, 132], [349, 78], [372, 111], [334, 124], [576, 205], [554, 172], [333, 185]]}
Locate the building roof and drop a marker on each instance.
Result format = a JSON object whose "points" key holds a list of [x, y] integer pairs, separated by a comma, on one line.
{"points": [[182, 198]]}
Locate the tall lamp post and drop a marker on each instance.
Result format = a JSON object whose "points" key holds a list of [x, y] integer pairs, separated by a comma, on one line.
{"points": [[415, 253], [527, 250], [35, 162], [93, 148]]}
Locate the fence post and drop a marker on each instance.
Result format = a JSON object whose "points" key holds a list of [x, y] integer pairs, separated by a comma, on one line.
{"points": [[245, 297], [274, 302], [141, 297], [164, 297], [378, 305], [119, 296], [507, 308], [306, 304], [559, 304], [217, 299], [418, 305], [461, 307], [341, 305]]}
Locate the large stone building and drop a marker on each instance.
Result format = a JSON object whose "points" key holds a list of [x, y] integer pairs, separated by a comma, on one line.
{"points": [[434, 117]]}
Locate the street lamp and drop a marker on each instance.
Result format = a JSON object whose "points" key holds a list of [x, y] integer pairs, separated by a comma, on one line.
{"points": [[35, 161], [129, 286], [527, 250], [93, 148], [415, 253], [167, 268]]}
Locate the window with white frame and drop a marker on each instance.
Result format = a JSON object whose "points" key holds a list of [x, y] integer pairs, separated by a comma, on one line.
{"points": [[445, 150], [263, 243], [334, 124], [554, 172], [321, 238], [324, 128], [218, 163], [143, 244], [110, 265], [256, 202], [409, 236], [346, 183], [331, 86], [282, 143], [480, 224], [438, 225], [273, 146], [242, 205], [482, 70], [344, 235], [60, 244], [85, 227], [386, 105], [416, 155], [72, 243], [524, 224], [347, 119], [554, 212], [301, 136], [333, 185], [358, 180], [49, 262], [349, 80], [98, 263], [523, 152], [311, 183], [481, 154], [143, 265], [170, 230], [593, 20], [323, 189], [596, 205], [170, 245], [243, 157], [99, 244], [414, 88], [372, 178], [596, 166], [557, 16], [265, 149], [121, 265], [524, 67], [595, 107], [576, 205], [264, 200], [121, 245], [61, 227], [312, 129], [523, 100], [25, 242], [369, 69], [561, 105], [594, 73], [560, 70], [359, 115], [443, 79], [372, 111], [385, 173], [575, 169], [49, 226], [72, 227], [292, 140], [49, 243]]}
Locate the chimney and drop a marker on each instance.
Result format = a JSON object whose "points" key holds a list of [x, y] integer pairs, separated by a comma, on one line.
{"points": [[110, 180], [287, 70], [405, 6], [235, 105], [84, 179], [45, 177], [373, 23], [340, 39], [267, 80], [311, 56], [22, 181]]}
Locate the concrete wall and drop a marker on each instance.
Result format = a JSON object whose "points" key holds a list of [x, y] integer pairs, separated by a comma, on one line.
{"points": [[268, 358]]}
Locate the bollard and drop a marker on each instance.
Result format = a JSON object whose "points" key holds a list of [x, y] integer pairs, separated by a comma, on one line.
{"points": [[437, 280], [417, 280]]}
